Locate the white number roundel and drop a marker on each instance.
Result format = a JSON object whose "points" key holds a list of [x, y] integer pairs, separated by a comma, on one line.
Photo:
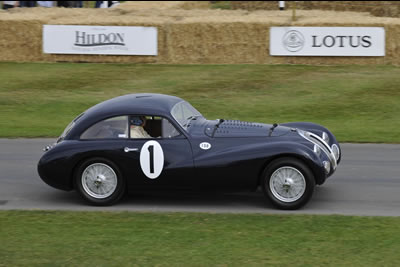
{"points": [[152, 159]]}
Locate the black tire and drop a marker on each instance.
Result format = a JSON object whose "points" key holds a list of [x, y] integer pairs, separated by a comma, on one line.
{"points": [[116, 194], [296, 166]]}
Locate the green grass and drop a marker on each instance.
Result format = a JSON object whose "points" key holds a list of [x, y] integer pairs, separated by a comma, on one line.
{"points": [[357, 103], [189, 239]]}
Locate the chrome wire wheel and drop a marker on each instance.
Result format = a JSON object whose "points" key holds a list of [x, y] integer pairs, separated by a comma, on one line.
{"points": [[99, 180], [287, 184]]}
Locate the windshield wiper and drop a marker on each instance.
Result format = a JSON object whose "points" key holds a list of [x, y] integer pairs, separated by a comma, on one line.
{"points": [[189, 119], [220, 121], [272, 128]]}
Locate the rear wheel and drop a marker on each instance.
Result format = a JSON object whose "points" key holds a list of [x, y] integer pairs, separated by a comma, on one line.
{"points": [[99, 182], [288, 183]]}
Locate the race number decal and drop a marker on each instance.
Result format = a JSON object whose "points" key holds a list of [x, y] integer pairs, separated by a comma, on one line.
{"points": [[152, 159], [205, 146]]}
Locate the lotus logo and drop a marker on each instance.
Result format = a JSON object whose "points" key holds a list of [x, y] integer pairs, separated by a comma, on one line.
{"points": [[293, 41]]}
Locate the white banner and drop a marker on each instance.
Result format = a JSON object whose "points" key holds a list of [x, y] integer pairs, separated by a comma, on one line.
{"points": [[99, 40], [327, 41]]}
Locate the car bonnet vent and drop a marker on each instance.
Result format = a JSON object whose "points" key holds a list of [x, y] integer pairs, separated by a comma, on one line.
{"points": [[142, 96], [236, 128], [240, 124]]}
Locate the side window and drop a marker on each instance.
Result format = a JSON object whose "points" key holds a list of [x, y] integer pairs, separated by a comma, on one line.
{"points": [[116, 127], [168, 130], [151, 127]]}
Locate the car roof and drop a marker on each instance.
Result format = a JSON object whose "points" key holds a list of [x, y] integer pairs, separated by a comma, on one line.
{"points": [[136, 104], [140, 104]]}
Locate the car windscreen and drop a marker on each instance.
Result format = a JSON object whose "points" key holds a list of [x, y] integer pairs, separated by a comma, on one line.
{"points": [[183, 112], [68, 128]]}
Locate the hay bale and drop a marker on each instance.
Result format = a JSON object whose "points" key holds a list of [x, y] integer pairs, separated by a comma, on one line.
{"points": [[140, 5], [188, 36], [376, 8], [143, 5], [195, 5]]}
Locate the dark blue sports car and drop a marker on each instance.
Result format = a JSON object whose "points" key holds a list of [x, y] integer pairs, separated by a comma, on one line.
{"points": [[152, 141]]}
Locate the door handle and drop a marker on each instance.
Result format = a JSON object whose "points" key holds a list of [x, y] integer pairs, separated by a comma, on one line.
{"points": [[128, 149]]}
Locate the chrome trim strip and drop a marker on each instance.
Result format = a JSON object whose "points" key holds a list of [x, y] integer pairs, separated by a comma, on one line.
{"points": [[321, 144], [335, 147]]}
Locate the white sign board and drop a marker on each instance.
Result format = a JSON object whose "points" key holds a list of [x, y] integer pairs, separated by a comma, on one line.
{"points": [[327, 41], [99, 40]]}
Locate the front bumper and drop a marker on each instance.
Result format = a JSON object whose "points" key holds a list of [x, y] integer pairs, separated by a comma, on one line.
{"points": [[333, 158]]}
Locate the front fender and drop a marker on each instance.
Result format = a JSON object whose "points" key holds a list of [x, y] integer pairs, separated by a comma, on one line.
{"points": [[242, 160], [299, 151], [317, 129], [311, 127]]}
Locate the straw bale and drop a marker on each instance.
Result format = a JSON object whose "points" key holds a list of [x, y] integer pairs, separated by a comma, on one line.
{"points": [[188, 36], [140, 5], [376, 8], [195, 5]]}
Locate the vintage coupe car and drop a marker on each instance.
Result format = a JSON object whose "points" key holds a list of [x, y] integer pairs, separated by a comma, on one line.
{"points": [[101, 155]]}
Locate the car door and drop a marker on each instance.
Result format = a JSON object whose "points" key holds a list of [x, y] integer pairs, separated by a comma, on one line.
{"points": [[161, 159]]}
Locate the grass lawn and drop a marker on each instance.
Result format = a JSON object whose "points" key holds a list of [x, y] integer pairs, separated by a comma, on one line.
{"points": [[190, 239], [357, 103]]}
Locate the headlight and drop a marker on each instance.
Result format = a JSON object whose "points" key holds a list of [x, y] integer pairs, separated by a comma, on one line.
{"points": [[325, 137], [317, 150], [327, 166], [336, 151]]}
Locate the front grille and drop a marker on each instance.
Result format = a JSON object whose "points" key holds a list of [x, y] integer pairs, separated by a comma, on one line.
{"points": [[315, 139], [325, 145]]}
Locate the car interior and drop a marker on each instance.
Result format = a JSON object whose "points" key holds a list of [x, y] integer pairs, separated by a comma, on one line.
{"points": [[158, 127], [117, 127]]}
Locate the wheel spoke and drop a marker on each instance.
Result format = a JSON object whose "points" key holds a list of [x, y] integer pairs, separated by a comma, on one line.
{"points": [[99, 180], [287, 184]]}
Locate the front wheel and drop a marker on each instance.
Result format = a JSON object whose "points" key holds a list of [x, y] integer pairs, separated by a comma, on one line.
{"points": [[99, 182], [288, 183]]}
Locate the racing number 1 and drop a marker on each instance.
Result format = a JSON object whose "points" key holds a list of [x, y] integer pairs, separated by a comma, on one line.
{"points": [[151, 159], [151, 155]]}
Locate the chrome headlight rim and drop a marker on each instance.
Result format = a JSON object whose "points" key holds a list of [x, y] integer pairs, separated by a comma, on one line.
{"points": [[317, 150], [336, 151], [325, 137], [327, 166], [317, 140]]}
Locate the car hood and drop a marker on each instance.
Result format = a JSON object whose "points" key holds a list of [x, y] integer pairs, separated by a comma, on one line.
{"points": [[236, 128]]}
